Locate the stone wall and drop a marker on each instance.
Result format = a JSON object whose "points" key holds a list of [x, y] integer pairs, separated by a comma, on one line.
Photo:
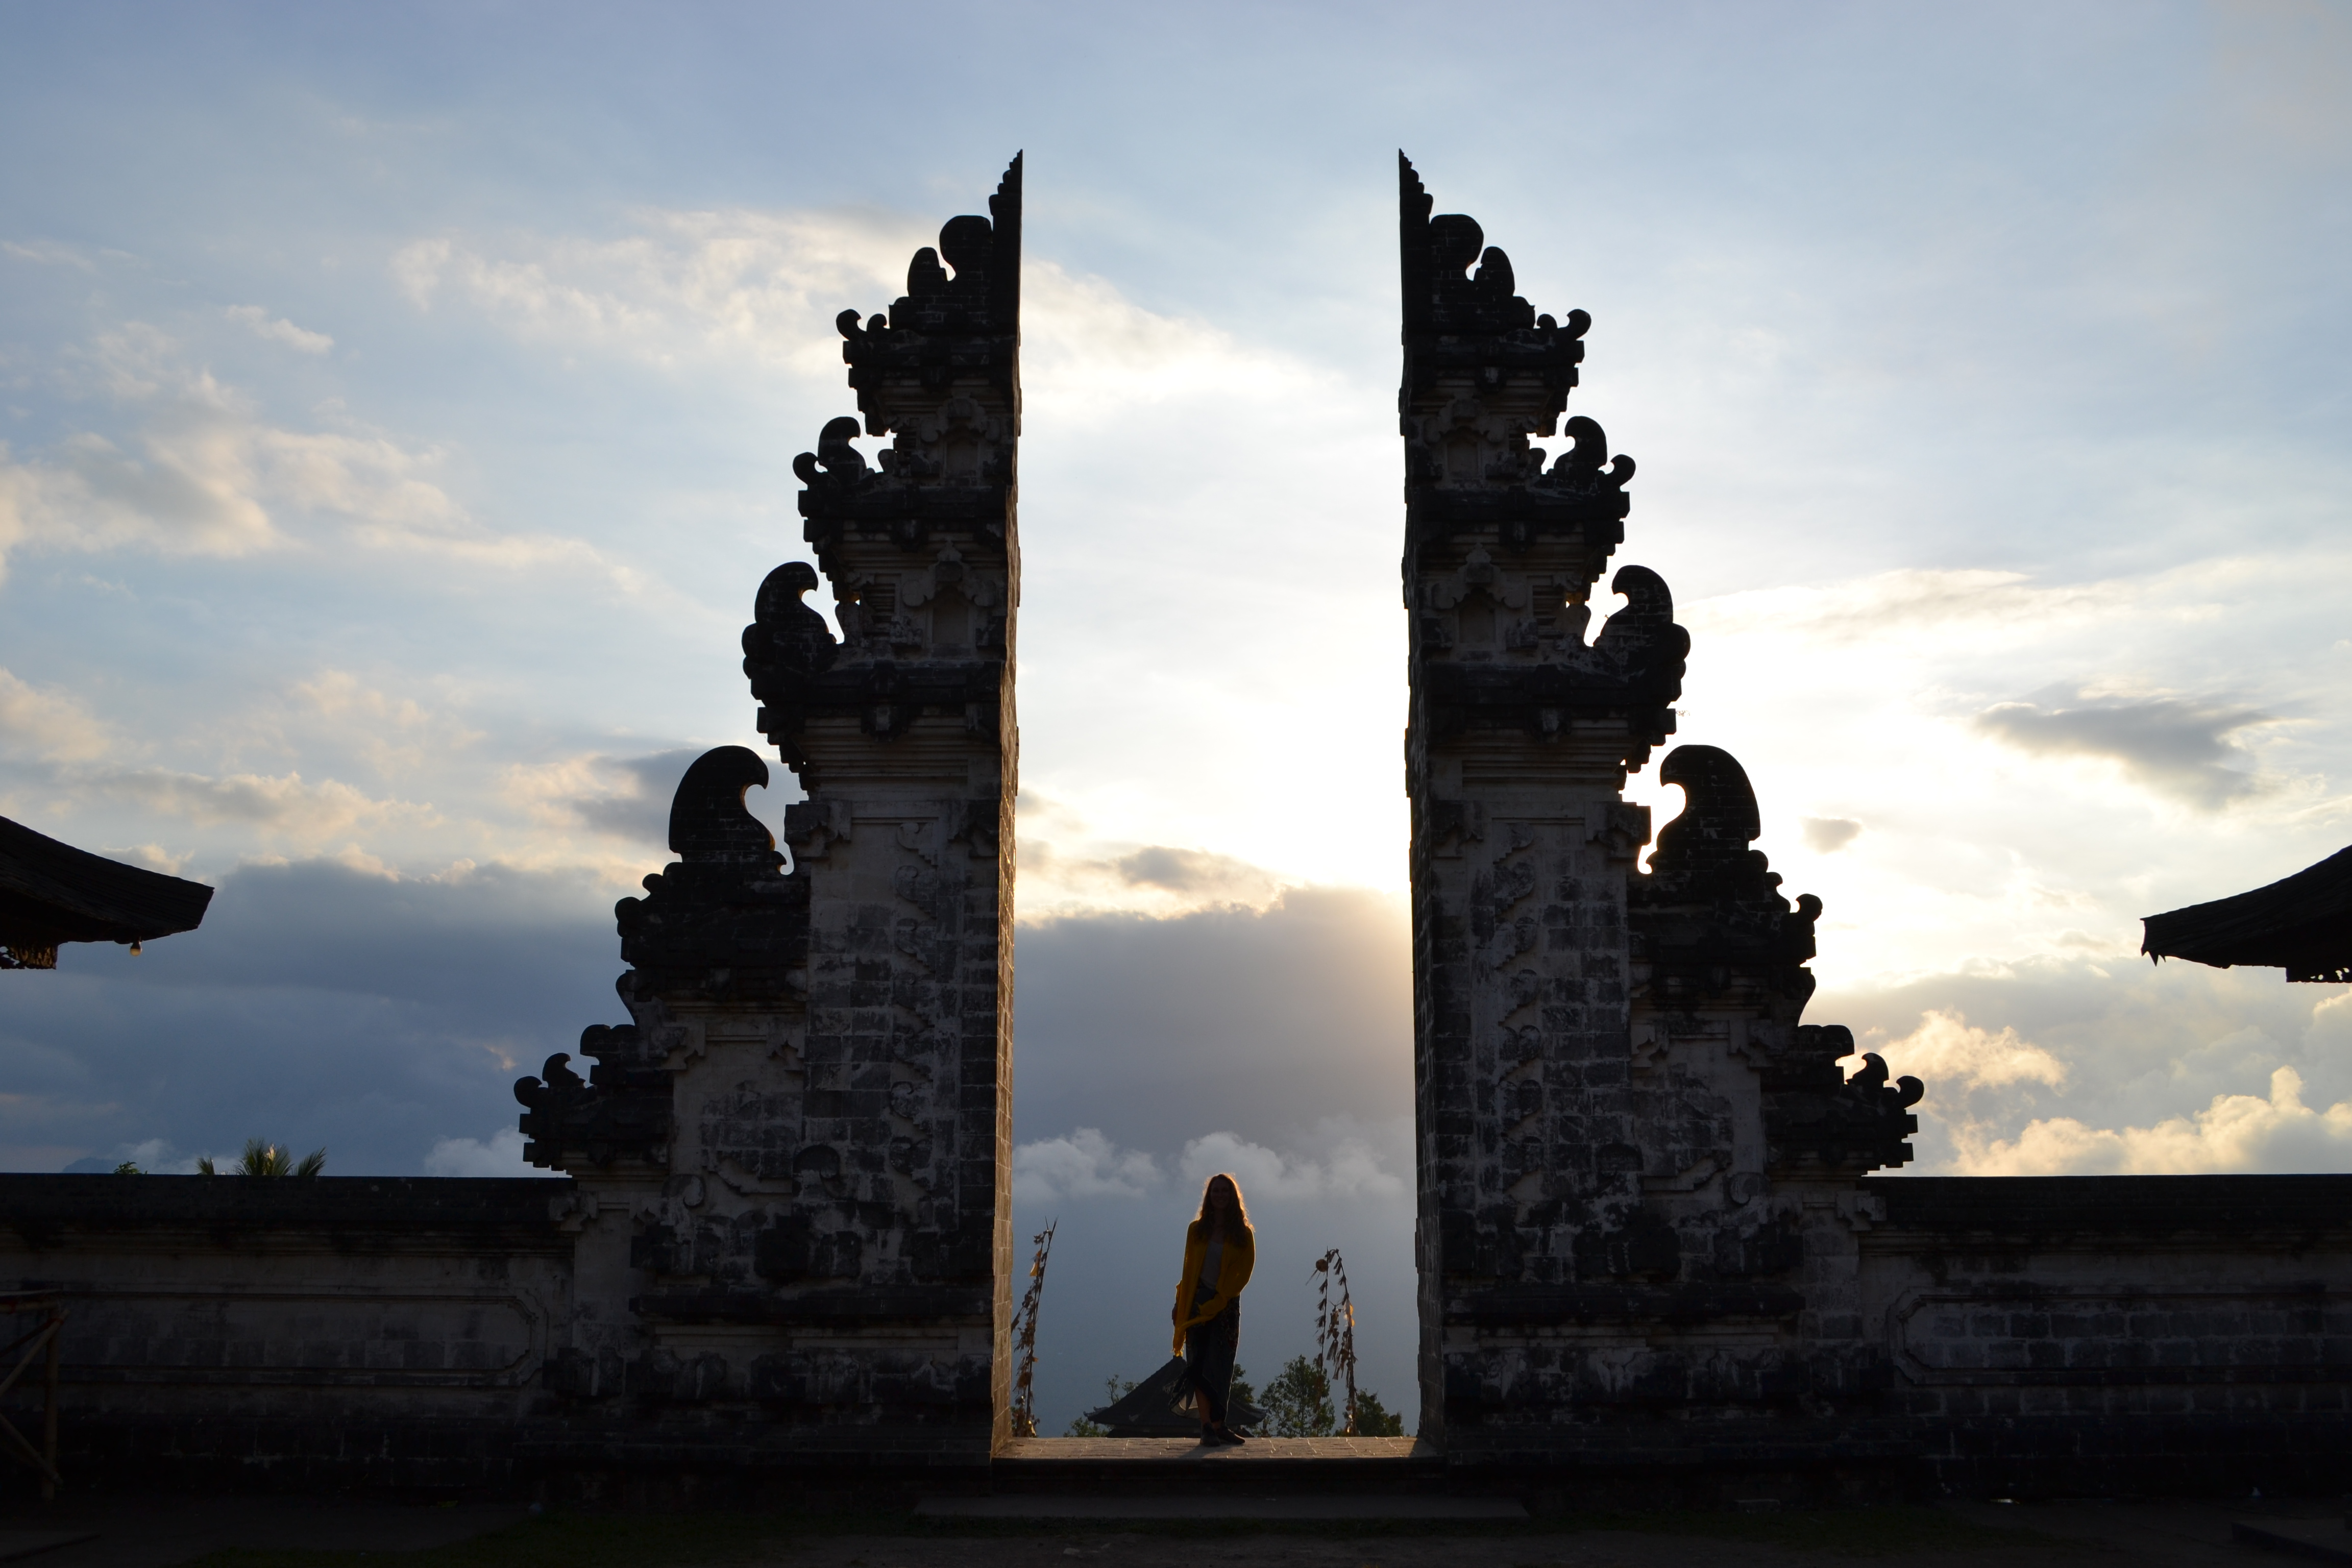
{"points": [[2086, 1335], [2067, 1336], [332, 1329]]}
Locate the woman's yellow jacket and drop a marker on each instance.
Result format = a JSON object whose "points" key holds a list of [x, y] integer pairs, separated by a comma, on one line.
{"points": [[1233, 1265]]}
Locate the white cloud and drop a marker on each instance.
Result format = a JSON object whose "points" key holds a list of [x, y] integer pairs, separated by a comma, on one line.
{"points": [[550, 793], [47, 253], [765, 287], [188, 490], [282, 804], [1090, 355], [396, 734], [2236, 1133], [500, 1156], [754, 295], [417, 268], [368, 479], [1058, 878], [198, 471], [1905, 606], [1865, 701], [46, 725], [1349, 1168], [611, 814], [149, 1155], [1947, 1052], [154, 856], [278, 329], [1085, 1164]]}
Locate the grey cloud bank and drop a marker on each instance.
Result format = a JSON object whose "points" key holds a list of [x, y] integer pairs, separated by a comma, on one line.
{"points": [[641, 815], [1152, 1031], [1828, 835], [318, 1003], [2180, 747]]}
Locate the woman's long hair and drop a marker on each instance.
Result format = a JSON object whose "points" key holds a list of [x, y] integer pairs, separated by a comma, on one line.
{"points": [[1241, 1210]]}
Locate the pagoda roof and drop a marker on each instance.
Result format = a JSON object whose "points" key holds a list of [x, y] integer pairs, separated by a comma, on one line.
{"points": [[2301, 924], [52, 893], [1161, 1406]]}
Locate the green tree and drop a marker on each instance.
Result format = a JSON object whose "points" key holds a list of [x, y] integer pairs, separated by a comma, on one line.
{"points": [[1298, 1402], [1239, 1391], [1374, 1419], [261, 1159], [129, 1168]]}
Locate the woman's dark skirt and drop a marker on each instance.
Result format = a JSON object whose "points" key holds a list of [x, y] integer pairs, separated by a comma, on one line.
{"points": [[1209, 1357]]}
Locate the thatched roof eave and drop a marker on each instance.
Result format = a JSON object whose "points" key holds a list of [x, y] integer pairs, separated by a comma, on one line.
{"points": [[52, 893], [2302, 924]]}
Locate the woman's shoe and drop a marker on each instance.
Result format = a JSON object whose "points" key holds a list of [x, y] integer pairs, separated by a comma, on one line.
{"points": [[1228, 1435], [1208, 1435]]}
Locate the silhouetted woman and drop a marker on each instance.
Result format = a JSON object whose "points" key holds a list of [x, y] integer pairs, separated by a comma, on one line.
{"points": [[1219, 1252]]}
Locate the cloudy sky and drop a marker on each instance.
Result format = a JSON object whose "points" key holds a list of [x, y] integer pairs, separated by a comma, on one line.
{"points": [[396, 411]]}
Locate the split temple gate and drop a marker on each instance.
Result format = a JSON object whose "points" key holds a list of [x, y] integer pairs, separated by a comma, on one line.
{"points": [[1648, 1240]]}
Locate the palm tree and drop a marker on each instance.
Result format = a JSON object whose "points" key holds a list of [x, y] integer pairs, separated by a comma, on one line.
{"points": [[261, 1159]]}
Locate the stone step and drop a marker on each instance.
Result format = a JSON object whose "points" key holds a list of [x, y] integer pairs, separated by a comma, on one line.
{"points": [[1105, 1466], [2315, 1540], [1207, 1505]]}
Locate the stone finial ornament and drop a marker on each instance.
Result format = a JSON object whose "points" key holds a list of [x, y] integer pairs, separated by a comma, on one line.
{"points": [[939, 373]]}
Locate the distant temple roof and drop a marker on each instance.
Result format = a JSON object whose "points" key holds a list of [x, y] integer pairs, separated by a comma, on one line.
{"points": [[1159, 1406], [2301, 924], [52, 893]]}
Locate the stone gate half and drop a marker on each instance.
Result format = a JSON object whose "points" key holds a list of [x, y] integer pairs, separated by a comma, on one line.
{"points": [[793, 1166], [1636, 1168]]}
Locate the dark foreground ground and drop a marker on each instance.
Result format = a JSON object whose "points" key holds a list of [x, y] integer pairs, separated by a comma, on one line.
{"points": [[235, 1533]]}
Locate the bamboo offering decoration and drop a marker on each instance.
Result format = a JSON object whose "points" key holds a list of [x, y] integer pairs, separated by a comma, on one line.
{"points": [[1335, 1331], [1025, 1338]]}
